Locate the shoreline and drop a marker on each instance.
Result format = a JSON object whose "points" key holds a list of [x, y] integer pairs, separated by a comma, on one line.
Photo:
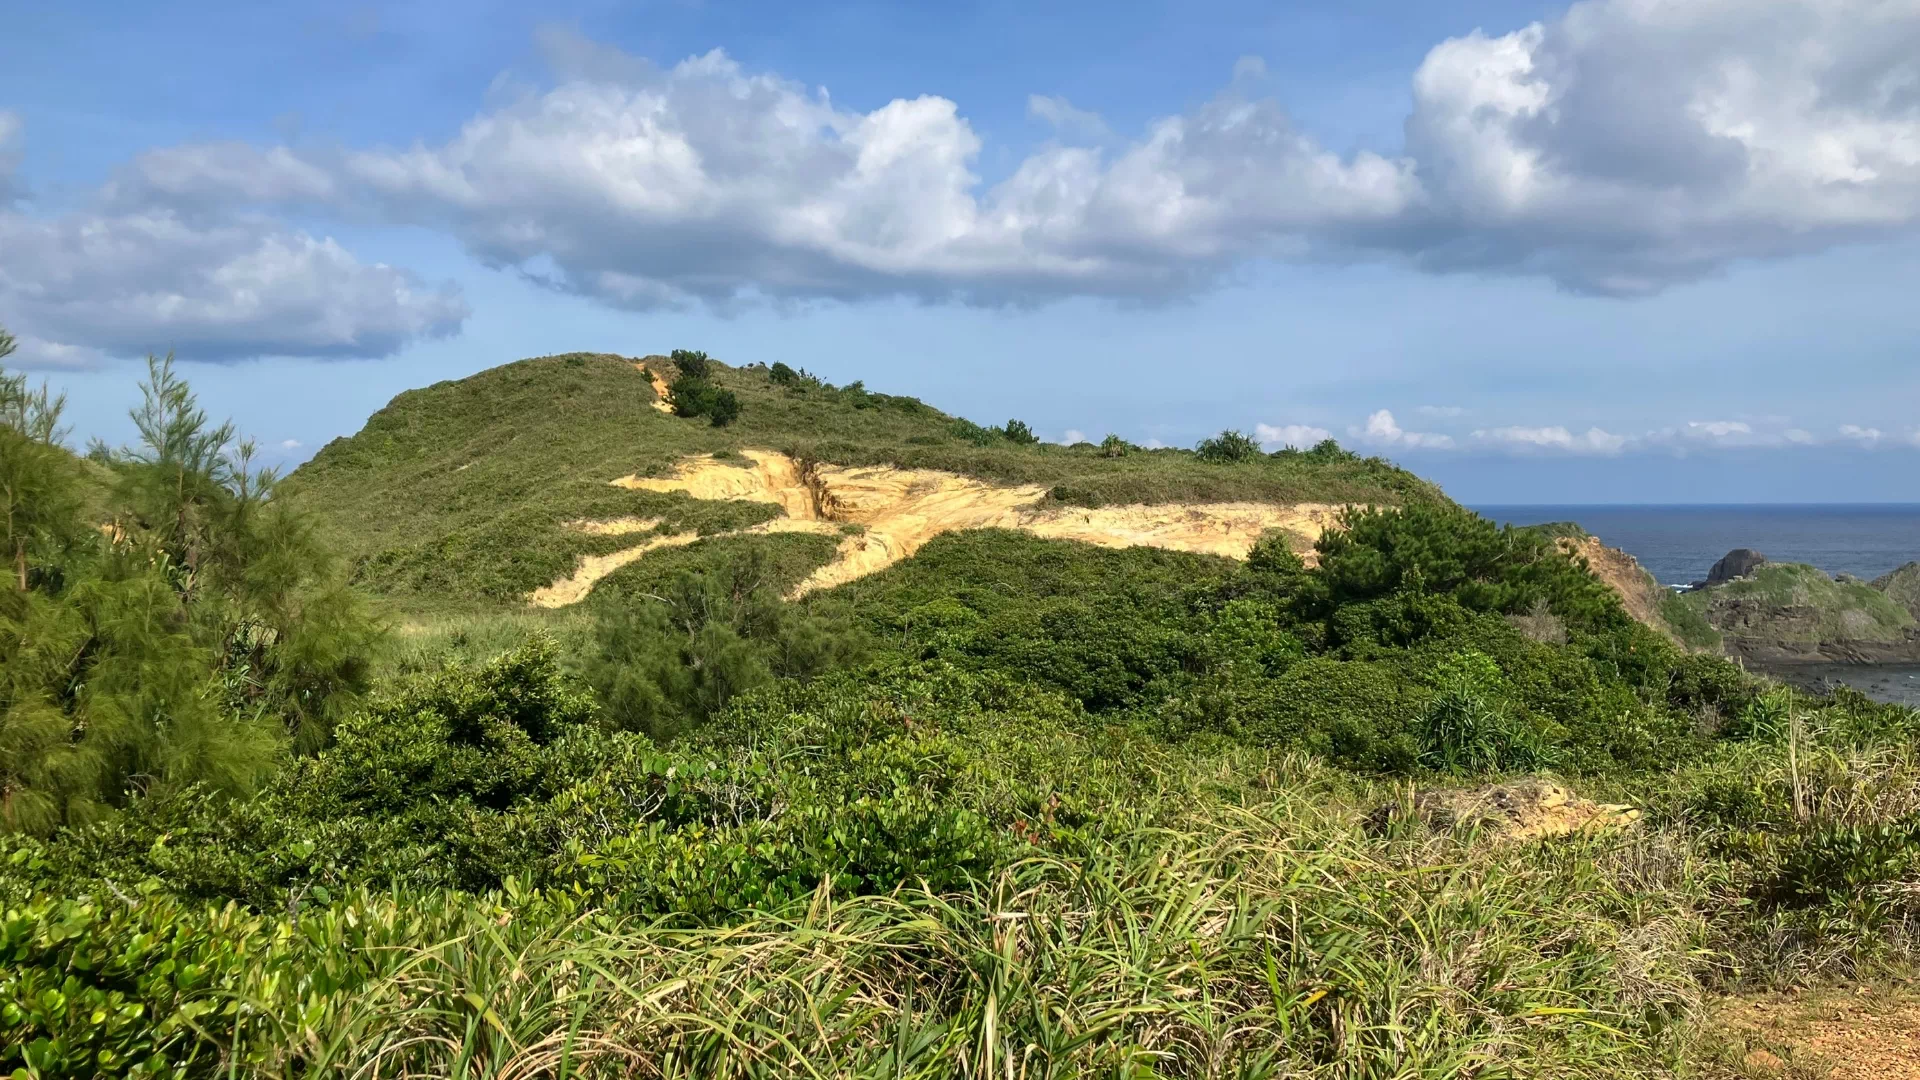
{"points": [[1895, 682]]}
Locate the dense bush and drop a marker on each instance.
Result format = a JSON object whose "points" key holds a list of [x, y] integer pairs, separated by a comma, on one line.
{"points": [[1228, 447], [666, 661], [692, 364], [694, 396], [182, 636], [1018, 433]]}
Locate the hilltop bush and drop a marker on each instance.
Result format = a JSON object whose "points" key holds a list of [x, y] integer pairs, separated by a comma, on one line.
{"points": [[693, 397], [1018, 433], [1227, 448], [692, 364]]}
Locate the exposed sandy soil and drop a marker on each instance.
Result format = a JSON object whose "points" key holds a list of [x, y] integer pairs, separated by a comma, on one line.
{"points": [[591, 568], [902, 509], [1833, 1034], [659, 388], [1624, 575], [1530, 809]]}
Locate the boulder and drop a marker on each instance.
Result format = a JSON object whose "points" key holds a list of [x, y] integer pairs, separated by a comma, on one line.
{"points": [[1738, 563]]}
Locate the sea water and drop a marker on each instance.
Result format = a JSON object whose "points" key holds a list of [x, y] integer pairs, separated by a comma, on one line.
{"points": [[1678, 544]]}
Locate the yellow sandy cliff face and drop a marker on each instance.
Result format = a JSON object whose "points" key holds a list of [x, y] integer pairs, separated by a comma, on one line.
{"points": [[901, 509]]}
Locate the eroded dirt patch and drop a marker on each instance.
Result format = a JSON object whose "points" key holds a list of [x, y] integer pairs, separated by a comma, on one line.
{"points": [[1529, 809], [659, 388], [1830, 1034], [899, 510]]}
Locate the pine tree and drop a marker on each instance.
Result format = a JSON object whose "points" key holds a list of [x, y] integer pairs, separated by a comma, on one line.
{"points": [[182, 641]]}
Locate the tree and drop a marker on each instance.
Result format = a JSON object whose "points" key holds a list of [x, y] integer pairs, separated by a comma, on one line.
{"points": [[696, 397], [1018, 432], [183, 640], [693, 365]]}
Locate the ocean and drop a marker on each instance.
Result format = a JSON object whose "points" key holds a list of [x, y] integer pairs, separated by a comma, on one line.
{"points": [[1677, 544]]}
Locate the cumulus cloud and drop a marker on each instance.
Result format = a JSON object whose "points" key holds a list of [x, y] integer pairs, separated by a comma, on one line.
{"points": [[1592, 441], [1856, 433], [1620, 148], [129, 273], [99, 283], [1441, 412], [1073, 436], [1631, 144], [290, 444], [1382, 430], [1065, 119], [1302, 436]]}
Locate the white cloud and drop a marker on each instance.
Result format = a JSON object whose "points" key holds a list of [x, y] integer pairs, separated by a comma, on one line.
{"points": [[1068, 121], [290, 444], [1383, 430], [1856, 433], [1302, 436], [1073, 436], [1441, 412], [1630, 144], [1718, 429], [1592, 441], [1620, 148]]}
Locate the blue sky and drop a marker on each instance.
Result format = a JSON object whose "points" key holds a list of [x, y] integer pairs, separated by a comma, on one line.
{"points": [[1631, 250]]}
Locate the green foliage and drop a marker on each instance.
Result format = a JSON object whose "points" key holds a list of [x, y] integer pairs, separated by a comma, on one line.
{"points": [[694, 396], [1114, 446], [183, 640], [666, 662], [1468, 726], [692, 364], [1228, 448], [1451, 550], [1018, 433]]}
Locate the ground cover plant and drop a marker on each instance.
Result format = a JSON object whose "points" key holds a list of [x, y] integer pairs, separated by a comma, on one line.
{"points": [[1010, 807]]}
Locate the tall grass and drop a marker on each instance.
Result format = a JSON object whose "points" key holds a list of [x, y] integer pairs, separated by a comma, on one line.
{"points": [[1274, 939]]}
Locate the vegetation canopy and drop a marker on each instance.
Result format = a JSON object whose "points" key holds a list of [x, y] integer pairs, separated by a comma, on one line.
{"points": [[1010, 806]]}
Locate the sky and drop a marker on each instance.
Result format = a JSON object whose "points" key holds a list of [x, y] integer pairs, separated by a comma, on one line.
{"points": [[1637, 251]]}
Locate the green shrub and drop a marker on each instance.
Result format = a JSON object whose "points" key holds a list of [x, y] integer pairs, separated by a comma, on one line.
{"points": [[1114, 446], [1018, 433], [1228, 447], [693, 396], [1469, 726], [692, 364]]}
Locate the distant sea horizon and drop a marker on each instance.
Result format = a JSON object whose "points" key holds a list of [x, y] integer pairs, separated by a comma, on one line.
{"points": [[1678, 543]]}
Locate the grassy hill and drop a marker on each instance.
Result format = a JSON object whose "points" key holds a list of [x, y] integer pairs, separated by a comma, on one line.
{"points": [[1798, 608], [460, 493], [1432, 802]]}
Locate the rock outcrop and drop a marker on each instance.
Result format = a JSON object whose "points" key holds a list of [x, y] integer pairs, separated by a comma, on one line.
{"points": [[1902, 586], [1735, 564]]}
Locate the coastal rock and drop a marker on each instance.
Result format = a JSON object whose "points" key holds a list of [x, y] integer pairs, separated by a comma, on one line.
{"points": [[1738, 563], [1902, 586]]}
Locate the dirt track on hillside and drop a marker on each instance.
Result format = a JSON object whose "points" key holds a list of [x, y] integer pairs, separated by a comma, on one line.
{"points": [[899, 510]]}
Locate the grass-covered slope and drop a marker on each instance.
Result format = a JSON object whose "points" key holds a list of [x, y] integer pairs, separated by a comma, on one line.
{"points": [[459, 492], [1794, 607]]}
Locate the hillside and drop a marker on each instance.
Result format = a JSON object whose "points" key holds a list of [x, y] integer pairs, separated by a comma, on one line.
{"points": [[540, 477], [1111, 777], [1792, 610]]}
